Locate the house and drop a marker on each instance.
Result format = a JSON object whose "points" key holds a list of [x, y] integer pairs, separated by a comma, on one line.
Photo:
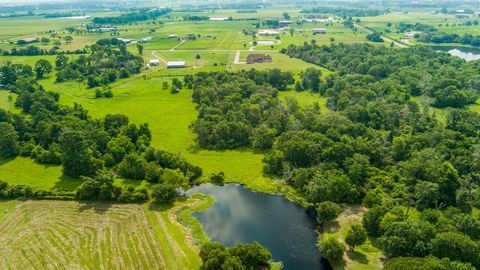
{"points": [[460, 11], [176, 64], [172, 36], [249, 32], [154, 62], [283, 24], [268, 32], [27, 40], [191, 37], [477, 14], [319, 31], [258, 58]]}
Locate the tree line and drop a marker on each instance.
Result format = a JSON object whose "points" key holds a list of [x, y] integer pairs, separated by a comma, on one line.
{"points": [[140, 15], [438, 38]]}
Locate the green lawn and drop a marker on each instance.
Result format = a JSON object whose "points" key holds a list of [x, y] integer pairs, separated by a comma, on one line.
{"points": [[24, 171]]}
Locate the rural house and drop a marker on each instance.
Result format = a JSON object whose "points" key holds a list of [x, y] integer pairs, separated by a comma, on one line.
{"points": [[319, 31], [258, 58]]}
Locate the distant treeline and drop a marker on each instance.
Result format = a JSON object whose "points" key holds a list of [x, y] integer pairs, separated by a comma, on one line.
{"points": [[247, 11], [142, 15], [33, 50], [347, 12], [465, 39], [62, 14], [195, 18]]}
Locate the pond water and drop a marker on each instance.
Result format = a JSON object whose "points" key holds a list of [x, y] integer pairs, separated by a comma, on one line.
{"points": [[242, 216], [468, 54]]}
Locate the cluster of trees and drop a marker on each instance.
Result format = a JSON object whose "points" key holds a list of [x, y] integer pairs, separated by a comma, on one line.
{"points": [[365, 72], [376, 146], [108, 61], [375, 37], [232, 107], [407, 27], [34, 50], [140, 15], [95, 150], [347, 12], [465, 39], [241, 257]]}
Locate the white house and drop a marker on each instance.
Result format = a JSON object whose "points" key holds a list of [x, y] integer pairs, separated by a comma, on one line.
{"points": [[176, 64], [154, 62], [218, 19], [319, 31]]}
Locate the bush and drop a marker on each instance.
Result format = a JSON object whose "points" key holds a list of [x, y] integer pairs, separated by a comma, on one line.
{"points": [[164, 193]]}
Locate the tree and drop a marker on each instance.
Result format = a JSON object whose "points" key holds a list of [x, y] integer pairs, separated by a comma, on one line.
{"points": [[77, 159], [132, 166], [430, 262], [311, 79], [68, 39], [286, 16], [456, 246], [356, 236], [327, 211], [164, 192], [197, 57], [8, 140], [176, 85], [332, 249], [140, 49], [42, 68]]}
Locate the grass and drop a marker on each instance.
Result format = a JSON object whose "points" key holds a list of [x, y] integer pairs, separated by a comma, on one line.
{"points": [[367, 256], [61, 235], [24, 171], [6, 207]]}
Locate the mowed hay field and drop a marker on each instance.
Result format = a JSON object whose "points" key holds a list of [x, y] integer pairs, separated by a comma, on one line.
{"points": [[72, 235]]}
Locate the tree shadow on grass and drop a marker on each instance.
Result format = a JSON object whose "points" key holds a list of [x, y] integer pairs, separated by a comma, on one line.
{"points": [[331, 227], [98, 207], [357, 256], [67, 183]]}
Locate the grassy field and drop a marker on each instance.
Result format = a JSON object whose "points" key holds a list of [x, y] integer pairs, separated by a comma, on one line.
{"points": [[73, 235], [365, 257]]}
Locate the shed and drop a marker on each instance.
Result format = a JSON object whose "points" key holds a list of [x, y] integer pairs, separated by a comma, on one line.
{"points": [[176, 64], [320, 31], [258, 58]]}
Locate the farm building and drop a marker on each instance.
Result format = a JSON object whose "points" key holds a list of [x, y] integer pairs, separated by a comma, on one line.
{"points": [[284, 23], [154, 62], [126, 40], [268, 32], [176, 64], [172, 36], [319, 31], [258, 58]]}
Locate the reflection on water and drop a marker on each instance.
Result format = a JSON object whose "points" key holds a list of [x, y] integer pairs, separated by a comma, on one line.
{"points": [[468, 54], [241, 216]]}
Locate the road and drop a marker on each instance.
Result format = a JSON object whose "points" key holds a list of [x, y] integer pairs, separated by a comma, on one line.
{"points": [[387, 39]]}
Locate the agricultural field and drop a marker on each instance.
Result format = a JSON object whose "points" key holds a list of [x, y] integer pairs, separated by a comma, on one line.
{"points": [[73, 235]]}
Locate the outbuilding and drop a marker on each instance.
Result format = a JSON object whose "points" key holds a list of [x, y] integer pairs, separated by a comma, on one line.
{"points": [[176, 64], [258, 58]]}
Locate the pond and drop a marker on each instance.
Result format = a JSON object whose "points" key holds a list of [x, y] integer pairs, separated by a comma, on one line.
{"points": [[242, 216], [466, 53]]}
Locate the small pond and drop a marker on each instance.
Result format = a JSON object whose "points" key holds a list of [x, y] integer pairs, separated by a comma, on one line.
{"points": [[466, 53], [242, 216]]}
